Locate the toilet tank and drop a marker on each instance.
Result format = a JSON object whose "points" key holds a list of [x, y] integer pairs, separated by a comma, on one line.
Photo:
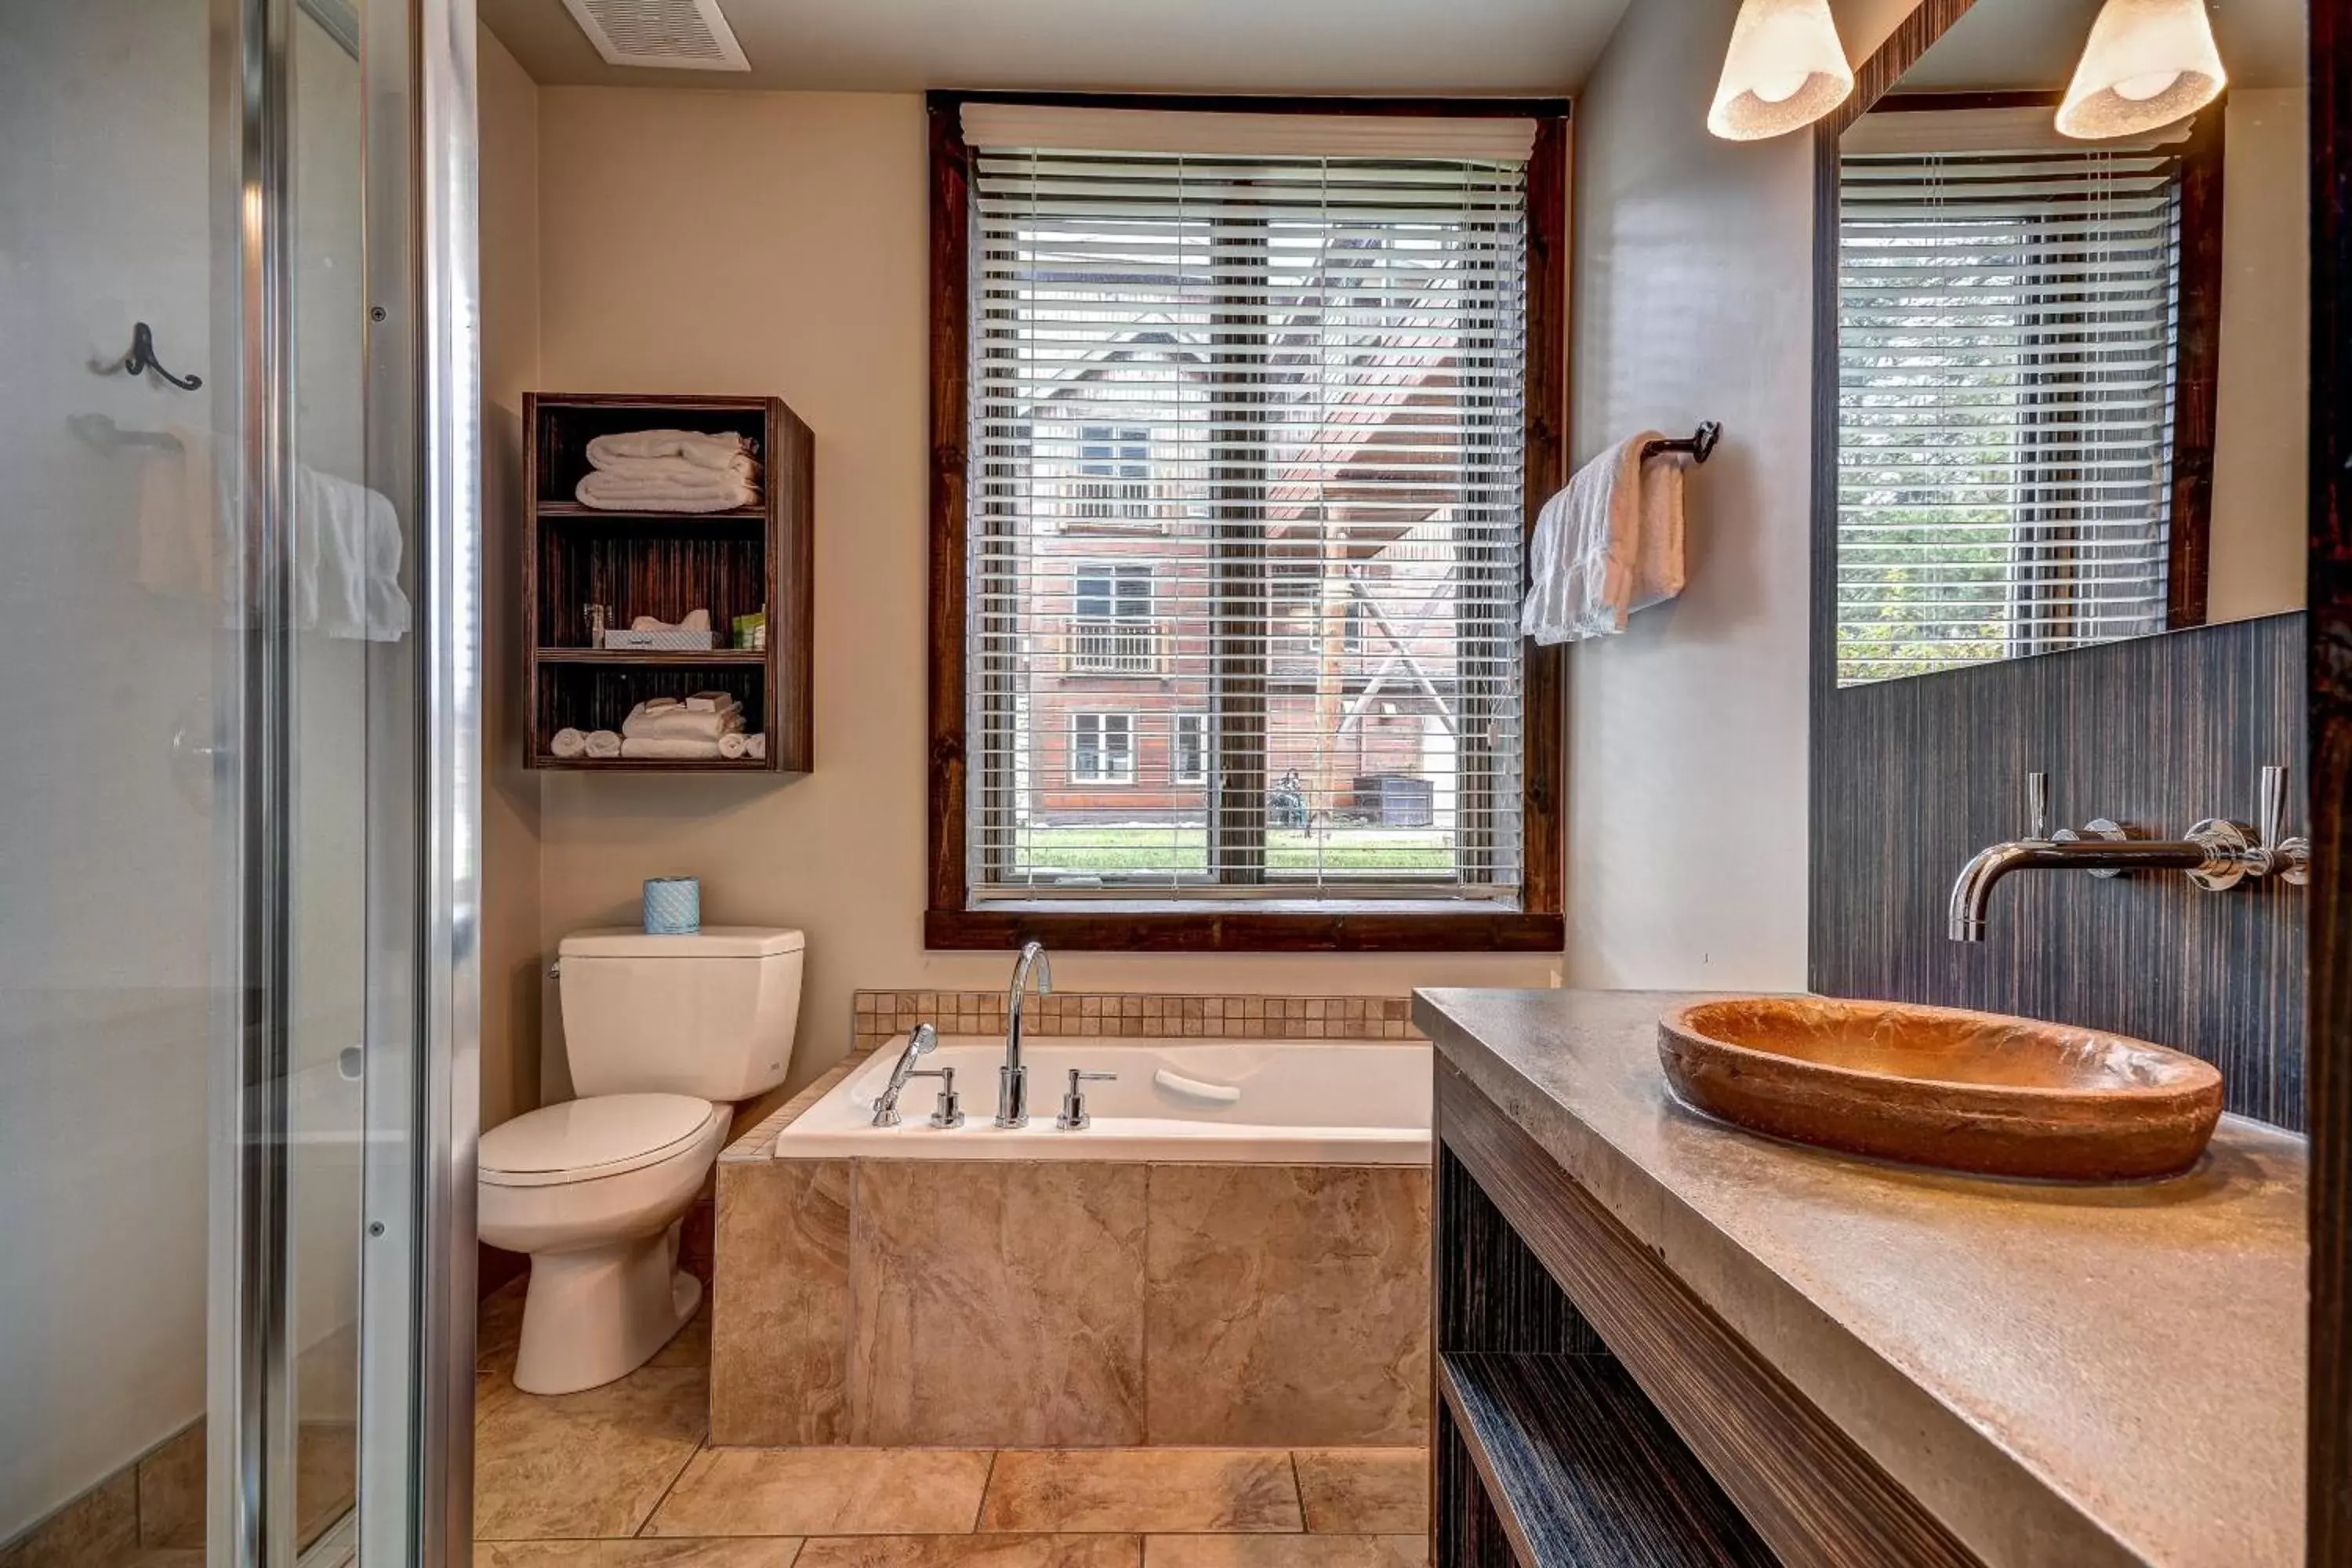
{"points": [[710, 1015]]}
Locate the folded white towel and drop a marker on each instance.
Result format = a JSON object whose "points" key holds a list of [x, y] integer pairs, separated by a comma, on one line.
{"points": [[603, 744], [756, 747], [689, 491], [733, 744], [707, 450], [669, 749], [568, 743], [1609, 544], [692, 621], [677, 722]]}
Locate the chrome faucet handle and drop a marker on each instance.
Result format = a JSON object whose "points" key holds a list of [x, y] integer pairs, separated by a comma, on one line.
{"points": [[948, 1114], [2037, 803], [1074, 1117]]}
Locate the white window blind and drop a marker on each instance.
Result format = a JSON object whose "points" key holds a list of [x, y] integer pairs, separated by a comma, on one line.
{"points": [[2007, 355], [1306, 372]]}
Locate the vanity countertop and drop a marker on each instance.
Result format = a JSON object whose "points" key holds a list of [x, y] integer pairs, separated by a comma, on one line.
{"points": [[2061, 1374]]}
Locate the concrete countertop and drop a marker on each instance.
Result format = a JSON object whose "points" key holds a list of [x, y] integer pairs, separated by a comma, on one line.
{"points": [[2064, 1375]]}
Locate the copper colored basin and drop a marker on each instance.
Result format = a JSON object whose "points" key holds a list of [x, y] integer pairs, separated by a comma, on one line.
{"points": [[1938, 1086]]}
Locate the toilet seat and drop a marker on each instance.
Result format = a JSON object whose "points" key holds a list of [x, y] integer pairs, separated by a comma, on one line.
{"points": [[589, 1139]]}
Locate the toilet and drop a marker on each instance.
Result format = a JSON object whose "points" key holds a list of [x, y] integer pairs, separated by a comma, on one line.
{"points": [[664, 1035]]}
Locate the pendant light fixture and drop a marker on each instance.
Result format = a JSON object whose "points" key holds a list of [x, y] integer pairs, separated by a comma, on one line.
{"points": [[1785, 68], [2148, 63]]}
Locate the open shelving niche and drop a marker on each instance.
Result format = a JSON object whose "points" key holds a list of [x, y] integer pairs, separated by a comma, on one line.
{"points": [[665, 564]]}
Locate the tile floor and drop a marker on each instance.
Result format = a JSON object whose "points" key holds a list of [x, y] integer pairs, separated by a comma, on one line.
{"points": [[619, 1477]]}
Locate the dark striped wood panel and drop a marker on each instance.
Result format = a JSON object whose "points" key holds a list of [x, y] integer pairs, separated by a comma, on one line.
{"points": [[1912, 777], [1806, 1488]]}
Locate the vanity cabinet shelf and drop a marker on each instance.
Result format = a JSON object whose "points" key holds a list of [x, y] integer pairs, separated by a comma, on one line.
{"points": [[666, 564]]}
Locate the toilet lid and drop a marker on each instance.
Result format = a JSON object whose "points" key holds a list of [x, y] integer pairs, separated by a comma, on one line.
{"points": [[602, 1135]]}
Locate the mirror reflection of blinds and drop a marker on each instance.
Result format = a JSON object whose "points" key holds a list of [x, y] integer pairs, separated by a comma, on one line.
{"points": [[1245, 491], [2007, 353]]}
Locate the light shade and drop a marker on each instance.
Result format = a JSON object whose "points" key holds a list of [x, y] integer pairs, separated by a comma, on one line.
{"points": [[1785, 68], [2148, 63]]}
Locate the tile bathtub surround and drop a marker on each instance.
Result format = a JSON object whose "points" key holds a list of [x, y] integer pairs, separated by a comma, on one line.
{"points": [[997, 1302], [878, 1016], [1070, 1303]]}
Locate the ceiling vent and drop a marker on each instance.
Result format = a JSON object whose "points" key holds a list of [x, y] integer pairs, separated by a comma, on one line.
{"points": [[666, 34]]}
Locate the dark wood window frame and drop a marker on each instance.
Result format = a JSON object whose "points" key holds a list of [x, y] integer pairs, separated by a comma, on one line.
{"points": [[1539, 924]]}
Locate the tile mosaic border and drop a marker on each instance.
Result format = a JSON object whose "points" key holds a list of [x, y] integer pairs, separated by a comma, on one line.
{"points": [[879, 1015]]}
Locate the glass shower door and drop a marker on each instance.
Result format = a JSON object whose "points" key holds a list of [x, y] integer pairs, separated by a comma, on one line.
{"points": [[236, 817]]}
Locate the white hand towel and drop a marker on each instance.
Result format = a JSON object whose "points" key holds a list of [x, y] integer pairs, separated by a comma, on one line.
{"points": [[756, 747], [732, 744], [1609, 544], [711, 450], [677, 722], [603, 744], [568, 743], [669, 749], [699, 491]]}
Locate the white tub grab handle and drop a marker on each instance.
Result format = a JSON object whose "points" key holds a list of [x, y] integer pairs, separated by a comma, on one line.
{"points": [[1217, 1093]]}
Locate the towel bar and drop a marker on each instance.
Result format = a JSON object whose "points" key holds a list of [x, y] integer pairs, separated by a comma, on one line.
{"points": [[1700, 445]]}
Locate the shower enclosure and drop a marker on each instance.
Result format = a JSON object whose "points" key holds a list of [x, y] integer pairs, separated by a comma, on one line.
{"points": [[237, 781]]}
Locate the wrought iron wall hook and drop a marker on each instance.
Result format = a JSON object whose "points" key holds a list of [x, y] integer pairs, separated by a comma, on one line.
{"points": [[1700, 445], [141, 359]]}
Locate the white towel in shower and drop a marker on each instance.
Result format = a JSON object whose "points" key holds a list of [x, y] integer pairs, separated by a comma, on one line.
{"points": [[1609, 544]]}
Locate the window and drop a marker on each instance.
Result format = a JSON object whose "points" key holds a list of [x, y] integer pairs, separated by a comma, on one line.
{"points": [[1188, 750], [2010, 361], [1301, 343], [1111, 630], [1114, 479], [1102, 748]]}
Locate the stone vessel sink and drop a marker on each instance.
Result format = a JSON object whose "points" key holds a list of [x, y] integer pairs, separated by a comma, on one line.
{"points": [[1942, 1087]]}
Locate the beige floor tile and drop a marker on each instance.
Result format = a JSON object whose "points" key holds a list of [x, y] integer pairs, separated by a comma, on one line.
{"points": [[1142, 1490], [825, 1491], [974, 1551], [741, 1552], [587, 1464], [172, 1497], [498, 1327], [1286, 1551], [1373, 1491]]}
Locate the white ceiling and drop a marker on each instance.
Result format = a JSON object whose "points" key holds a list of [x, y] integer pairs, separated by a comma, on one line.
{"points": [[1483, 47]]}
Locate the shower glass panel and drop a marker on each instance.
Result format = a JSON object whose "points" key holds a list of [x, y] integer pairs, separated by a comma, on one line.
{"points": [[236, 606]]}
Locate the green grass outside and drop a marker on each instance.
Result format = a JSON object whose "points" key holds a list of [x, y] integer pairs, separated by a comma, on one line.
{"points": [[1095, 849]]}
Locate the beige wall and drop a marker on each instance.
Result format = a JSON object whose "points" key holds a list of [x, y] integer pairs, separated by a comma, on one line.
{"points": [[510, 798], [2260, 502], [1687, 735], [776, 242]]}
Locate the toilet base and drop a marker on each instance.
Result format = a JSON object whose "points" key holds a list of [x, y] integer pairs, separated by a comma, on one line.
{"points": [[599, 1313]]}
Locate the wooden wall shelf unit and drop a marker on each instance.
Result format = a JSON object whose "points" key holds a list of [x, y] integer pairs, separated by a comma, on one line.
{"points": [[665, 564]]}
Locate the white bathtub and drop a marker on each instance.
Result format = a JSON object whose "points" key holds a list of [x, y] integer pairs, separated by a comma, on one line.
{"points": [[1287, 1102]]}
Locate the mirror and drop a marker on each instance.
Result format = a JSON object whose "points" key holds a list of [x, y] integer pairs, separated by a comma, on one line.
{"points": [[2072, 375]]}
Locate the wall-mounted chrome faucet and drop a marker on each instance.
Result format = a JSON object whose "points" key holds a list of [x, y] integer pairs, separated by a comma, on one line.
{"points": [[2216, 853]]}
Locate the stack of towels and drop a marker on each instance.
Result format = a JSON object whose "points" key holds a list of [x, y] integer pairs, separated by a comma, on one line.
{"points": [[1609, 544], [670, 729], [670, 471]]}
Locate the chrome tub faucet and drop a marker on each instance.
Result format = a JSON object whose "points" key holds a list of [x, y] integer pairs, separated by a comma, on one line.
{"points": [[920, 1044], [2216, 853], [1012, 1077]]}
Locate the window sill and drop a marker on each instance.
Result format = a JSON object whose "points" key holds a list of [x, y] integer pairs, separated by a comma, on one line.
{"points": [[1147, 926]]}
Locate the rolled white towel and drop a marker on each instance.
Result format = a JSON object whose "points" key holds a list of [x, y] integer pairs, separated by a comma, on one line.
{"points": [[708, 448], [756, 747], [732, 744], [568, 743], [603, 744], [669, 750]]}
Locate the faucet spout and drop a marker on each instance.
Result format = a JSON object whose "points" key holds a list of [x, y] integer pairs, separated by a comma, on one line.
{"points": [[1972, 889], [1012, 1077]]}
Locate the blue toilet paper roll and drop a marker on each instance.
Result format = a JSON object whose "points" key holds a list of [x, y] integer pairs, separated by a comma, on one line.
{"points": [[673, 906]]}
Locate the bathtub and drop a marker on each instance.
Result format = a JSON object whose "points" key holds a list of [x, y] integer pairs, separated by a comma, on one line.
{"points": [[1273, 1102]]}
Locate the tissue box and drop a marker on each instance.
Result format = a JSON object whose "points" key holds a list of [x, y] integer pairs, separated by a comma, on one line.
{"points": [[669, 638]]}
